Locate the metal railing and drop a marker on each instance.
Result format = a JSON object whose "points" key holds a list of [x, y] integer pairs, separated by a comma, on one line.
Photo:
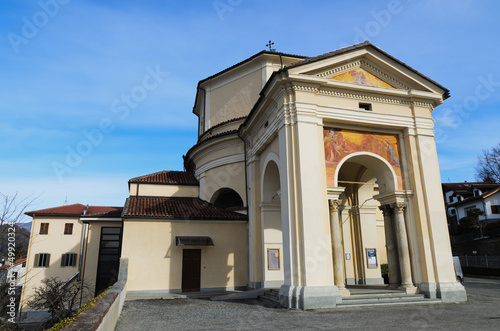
{"points": [[476, 260]]}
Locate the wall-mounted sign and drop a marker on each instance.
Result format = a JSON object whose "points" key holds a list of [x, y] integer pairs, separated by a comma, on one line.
{"points": [[273, 258], [371, 258]]}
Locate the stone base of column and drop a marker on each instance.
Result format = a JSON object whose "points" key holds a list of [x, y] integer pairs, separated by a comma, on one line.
{"points": [[309, 297], [451, 292], [344, 292], [428, 289], [409, 289]]}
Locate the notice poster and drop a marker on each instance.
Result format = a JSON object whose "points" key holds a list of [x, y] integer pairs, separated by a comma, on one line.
{"points": [[273, 255], [371, 254]]}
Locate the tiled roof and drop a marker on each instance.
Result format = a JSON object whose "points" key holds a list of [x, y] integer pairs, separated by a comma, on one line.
{"points": [[76, 209], [167, 177], [106, 214], [472, 198], [176, 208]]}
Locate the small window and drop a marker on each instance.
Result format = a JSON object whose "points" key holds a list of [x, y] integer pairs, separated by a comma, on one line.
{"points": [[68, 228], [42, 260], [495, 209], [14, 275], [44, 228], [68, 260], [365, 106]]}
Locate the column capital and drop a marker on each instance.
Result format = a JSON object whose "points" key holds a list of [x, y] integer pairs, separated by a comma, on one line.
{"points": [[386, 210], [334, 204], [399, 207]]}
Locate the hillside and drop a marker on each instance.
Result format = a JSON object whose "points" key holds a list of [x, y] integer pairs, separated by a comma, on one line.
{"points": [[22, 238]]}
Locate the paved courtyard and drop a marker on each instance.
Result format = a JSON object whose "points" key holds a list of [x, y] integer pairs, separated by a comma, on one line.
{"points": [[480, 312]]}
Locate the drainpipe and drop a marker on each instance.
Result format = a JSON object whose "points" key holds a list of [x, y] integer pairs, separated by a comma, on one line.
{"points": [[81, 250], [248, 209], [84, 264]]}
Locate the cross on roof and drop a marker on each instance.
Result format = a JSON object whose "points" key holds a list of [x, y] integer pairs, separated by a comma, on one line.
{"points": [[270, 44]]}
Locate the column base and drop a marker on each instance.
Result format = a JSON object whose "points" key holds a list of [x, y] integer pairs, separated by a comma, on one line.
{"points": [[428, 289], [309, 297], [409, 289], [451, 292]]}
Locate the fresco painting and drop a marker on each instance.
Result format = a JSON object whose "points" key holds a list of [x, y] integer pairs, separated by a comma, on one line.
{"points": [[340, 143], [360, 76]]}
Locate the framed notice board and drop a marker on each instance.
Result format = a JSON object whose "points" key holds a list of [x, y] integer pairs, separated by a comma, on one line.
{"points": [[371, 258], [273, 259]]}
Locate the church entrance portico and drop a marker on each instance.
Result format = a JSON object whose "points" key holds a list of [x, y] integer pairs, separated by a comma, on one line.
{"points": [[369, 181]]}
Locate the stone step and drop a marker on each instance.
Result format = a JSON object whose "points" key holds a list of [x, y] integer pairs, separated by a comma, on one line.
{"points": [[384, 296], [386, 302], [271, 298], [372, 299]]}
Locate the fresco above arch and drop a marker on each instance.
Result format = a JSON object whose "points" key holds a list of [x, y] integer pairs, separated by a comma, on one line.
{"points": [[362, 77], [339, 143]]}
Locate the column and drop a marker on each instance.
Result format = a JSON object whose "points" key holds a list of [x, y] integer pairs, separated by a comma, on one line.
{"points": [[392, 255], [403, 252], [338, 254]]}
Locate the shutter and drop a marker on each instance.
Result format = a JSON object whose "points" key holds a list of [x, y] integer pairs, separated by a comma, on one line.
{"points": [[74, 260], [63, 260], [48, 260], [37, 260]]}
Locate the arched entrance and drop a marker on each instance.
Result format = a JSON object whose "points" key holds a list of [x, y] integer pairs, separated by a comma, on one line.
{"points": [[272, 237], [370, 212]]}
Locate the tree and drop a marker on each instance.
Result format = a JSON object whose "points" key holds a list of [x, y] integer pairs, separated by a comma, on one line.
{"points": [[488, 167], [472, 221], [59, 298], [13, 207]]}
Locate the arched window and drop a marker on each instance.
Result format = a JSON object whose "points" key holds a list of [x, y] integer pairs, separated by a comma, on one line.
{"points": [[226, 198]]}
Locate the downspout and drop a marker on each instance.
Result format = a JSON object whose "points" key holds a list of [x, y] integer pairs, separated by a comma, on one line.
{"points": [[81, 250], [248, 209], [84, 263]]}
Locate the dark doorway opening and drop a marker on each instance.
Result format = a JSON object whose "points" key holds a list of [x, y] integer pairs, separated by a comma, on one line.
{"points": [[191, 270], [109, 258]]}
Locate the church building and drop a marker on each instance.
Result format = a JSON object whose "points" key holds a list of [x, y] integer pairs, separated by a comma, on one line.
{"points": [[308, 174]]}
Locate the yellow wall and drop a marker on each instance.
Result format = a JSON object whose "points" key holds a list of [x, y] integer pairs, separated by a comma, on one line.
{"points": [[155, 262]]}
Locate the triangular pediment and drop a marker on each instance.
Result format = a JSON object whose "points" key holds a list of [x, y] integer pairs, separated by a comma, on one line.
{"points": [[363, 72], [362, 77], [368, 66]]}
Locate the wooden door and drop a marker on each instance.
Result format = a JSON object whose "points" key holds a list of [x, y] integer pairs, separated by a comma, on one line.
{"points": [[191, 270]]}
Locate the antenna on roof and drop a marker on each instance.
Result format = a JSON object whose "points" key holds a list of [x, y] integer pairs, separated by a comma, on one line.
{"points": [[65, 201], [270, 44]]}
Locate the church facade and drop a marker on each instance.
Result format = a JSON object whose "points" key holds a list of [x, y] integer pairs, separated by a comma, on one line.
{"points": [[308, 174]]}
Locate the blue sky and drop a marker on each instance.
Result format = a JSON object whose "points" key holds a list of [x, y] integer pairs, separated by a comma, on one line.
{"points": [[66, 65]]}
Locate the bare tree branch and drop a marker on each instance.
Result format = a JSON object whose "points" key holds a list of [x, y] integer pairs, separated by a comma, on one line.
{"points": [[13, 207], [488, 167]]}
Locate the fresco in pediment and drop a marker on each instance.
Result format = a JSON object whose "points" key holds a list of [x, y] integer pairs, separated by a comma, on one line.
{"points": [[362, 77]]}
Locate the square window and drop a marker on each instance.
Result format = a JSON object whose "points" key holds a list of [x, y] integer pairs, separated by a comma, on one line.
{"points": [[365, 106], [42, 260], [68, 260], [495, 209], [68, 228], [44, 228]]}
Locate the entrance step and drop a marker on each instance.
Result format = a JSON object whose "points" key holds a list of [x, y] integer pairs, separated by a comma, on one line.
{"points": [[271, 298], [383, 299]]}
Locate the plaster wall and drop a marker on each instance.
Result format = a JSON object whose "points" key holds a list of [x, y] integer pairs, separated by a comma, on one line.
{"points": [[223, 265], [163, 190]]}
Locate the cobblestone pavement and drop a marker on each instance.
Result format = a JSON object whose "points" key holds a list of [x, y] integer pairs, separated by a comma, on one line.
{"points": [[480, 312]]}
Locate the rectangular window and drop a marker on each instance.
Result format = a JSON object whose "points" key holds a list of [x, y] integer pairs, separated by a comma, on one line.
{"points": [[495, 209], [68, 228], [42, 260], [365, 106], [68, 260], [44, 228]]}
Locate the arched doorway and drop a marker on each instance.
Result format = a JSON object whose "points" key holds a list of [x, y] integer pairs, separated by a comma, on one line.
{"points": [[371, 219], [272, 237]]}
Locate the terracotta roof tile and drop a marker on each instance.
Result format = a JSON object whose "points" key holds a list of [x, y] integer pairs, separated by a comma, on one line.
{"points": [[76, 209], [167, 177], [177, 208], [106, 214]]}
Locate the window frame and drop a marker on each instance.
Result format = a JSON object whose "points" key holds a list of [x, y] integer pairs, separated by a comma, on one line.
{"points": [[68, 228], [68, 260], [44, 228], [42, 260]]}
